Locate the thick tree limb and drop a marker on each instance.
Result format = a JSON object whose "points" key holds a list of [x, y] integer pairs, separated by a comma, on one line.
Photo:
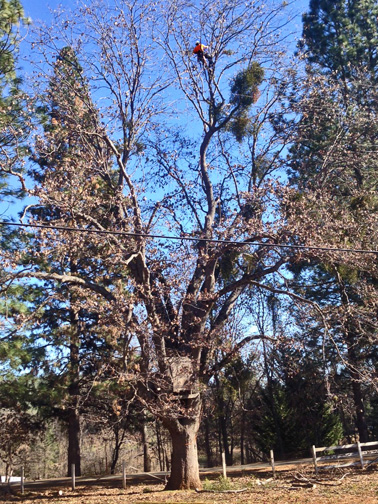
{"points": [[70, 279]]}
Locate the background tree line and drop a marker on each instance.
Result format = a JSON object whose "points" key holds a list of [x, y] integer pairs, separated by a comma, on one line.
{"points": [[227, 348]]}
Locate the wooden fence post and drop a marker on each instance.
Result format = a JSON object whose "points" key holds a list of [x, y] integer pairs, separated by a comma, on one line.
{"points": [[224, 465], [272, 463], [124, 475], [360, 454], [314, 459], [73, 485]]}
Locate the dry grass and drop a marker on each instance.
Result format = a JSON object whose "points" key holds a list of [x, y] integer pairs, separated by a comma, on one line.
{"points": [[356, 487]]}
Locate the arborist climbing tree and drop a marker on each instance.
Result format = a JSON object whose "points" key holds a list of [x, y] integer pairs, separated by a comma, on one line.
{"points": [[202, 56]]}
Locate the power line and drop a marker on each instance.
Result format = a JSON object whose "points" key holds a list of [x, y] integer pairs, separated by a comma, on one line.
{"points": [[190, 238]]}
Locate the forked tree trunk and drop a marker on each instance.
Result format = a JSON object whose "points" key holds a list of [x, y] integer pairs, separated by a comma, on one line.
{"points": [[184, 463], [119, 437]]}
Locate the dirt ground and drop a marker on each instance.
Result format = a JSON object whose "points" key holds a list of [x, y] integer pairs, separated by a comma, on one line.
{"points": [[289, 487]]}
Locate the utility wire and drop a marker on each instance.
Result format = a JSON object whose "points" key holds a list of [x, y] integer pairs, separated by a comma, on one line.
{"points": [[189, 238]]}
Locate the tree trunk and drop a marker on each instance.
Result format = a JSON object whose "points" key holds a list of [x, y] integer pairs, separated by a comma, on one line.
{"points": [[226, 445], [184, 462], [279, 445], [358, 398], [74, 441], [361, 423], [242, 431], [166, 459], [74, 456], [160, 449], [352, 340], [146, 451], [118, 442], [223, 423], [209, 452]]}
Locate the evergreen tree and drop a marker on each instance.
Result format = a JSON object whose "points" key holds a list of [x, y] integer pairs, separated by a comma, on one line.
{"points": [[65, 337], [16, 392], [341, 37], [332, 167], [14, 117]]}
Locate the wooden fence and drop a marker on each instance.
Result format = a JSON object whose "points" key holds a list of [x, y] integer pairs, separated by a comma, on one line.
{"points": [[345, 455], [362, 454]]}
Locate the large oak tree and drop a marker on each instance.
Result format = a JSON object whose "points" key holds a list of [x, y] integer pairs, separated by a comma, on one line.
{"points": [[147, 141]]}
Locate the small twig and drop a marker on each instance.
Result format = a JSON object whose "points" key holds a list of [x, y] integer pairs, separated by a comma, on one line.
{"points": [[297, 486], [371, 462], [221, 491], [303, 479]]}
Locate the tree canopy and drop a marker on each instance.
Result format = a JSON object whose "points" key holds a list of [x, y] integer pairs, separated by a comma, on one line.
{"points": [[161, 213]]}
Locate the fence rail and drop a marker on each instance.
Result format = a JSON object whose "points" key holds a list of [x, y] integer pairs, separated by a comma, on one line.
{"points": [[354, 454], [364, 453]]}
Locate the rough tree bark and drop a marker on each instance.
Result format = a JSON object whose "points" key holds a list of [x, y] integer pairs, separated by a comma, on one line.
{"points": [[184, 469]]}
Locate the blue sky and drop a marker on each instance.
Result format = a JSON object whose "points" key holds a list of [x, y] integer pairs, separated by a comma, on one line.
{"points": [[39, 9]]}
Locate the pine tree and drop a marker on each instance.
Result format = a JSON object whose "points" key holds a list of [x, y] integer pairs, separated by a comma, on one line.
{"points": [[341, 37], [16, 392], [331, 162], [14, 118], [69, 325]]}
